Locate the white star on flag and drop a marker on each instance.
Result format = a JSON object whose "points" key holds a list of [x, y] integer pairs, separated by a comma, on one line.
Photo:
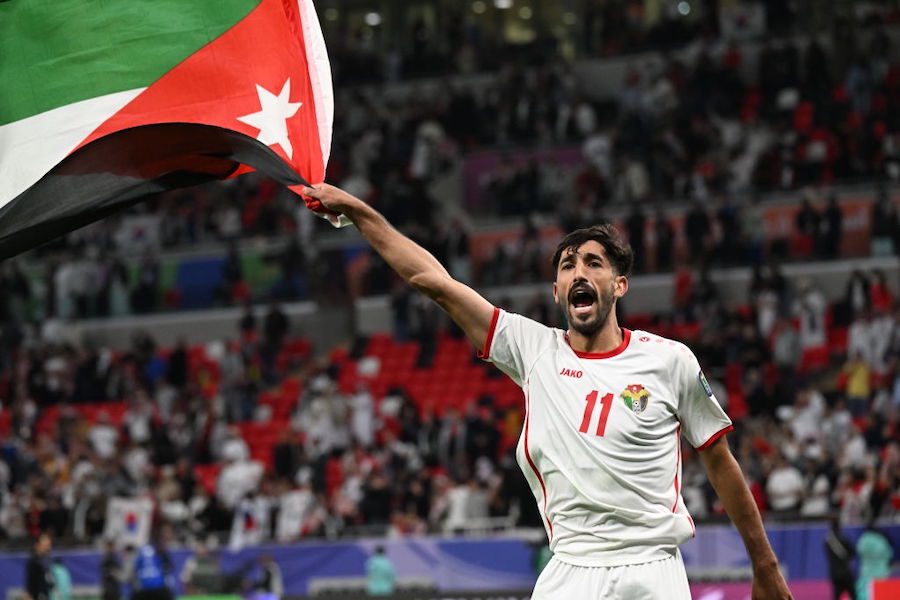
{"points": [[271, 120]]}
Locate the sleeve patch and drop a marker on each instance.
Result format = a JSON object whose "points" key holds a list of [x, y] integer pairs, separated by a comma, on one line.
{"points": [[704, 384]]}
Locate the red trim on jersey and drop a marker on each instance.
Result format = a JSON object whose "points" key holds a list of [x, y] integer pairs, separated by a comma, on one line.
{"points": [[485, 352], [714, 437], [626, 338], [532, 465], [677, 465], [693, 527]]}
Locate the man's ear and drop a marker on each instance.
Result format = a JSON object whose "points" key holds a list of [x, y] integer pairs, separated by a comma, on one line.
{"points": [[555, 294], [621, 286]]}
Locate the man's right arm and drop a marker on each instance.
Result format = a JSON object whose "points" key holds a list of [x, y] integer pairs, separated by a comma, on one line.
{"points": [[414, 264]]}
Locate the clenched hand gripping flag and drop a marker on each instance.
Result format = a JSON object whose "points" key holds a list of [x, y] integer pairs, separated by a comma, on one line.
{"points": [[103, 102]]}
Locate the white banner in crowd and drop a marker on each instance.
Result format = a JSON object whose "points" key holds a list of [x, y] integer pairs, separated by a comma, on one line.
{"points": [[296, 508], [251, 522], [128, 521]]}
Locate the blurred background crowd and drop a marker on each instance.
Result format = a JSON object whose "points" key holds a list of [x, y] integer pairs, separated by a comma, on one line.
{"points": [[485, 119]]}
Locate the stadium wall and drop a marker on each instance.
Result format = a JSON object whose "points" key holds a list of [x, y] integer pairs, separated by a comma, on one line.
{"points": [[715, 554]]}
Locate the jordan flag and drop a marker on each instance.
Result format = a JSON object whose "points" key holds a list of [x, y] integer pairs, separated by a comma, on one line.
{"points": [[104, 102]]}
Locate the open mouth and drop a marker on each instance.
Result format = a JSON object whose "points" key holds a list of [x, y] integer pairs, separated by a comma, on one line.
{"points": [[582, 300]]}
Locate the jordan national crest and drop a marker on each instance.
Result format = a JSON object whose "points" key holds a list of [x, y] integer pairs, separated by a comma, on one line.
{"points": [[636, 397]]}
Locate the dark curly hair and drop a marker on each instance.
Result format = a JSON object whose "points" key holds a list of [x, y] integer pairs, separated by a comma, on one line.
{"points": [[618, 252]]}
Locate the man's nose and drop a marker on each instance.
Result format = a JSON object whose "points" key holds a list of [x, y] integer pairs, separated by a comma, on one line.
{"points": [[580, 271]]}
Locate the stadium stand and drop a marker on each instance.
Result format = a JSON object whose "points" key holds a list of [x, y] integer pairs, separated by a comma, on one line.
{"points": [[710, 151], [815, 400]]}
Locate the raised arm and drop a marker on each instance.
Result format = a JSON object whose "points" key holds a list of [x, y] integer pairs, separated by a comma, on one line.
{"points": [[728, 480], [413, 263]]}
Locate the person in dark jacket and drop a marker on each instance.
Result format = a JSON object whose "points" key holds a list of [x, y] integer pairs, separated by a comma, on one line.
{"points": [[110, 574], [38, 580], [840, 555]]}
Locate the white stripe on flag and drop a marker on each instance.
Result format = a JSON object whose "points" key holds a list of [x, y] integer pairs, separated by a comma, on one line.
{"points": [[32, 146], [319, 75]]}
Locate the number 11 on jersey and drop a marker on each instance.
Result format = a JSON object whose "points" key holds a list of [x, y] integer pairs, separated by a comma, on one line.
{"points": [[606, 403]]}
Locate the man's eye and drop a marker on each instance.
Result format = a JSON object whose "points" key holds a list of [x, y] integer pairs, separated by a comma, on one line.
{"points": [[567, 266], [595, 263]]}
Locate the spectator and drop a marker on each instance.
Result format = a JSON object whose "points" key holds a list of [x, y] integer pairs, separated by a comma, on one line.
{"points": [[840, 554], [811, 308], [858, 375], [362, 416], [62, 581], [111, 575], [247, 324], [875, 555], [38, 576], [636, 224], [380, 578], [177, 368], [784, 487], [202, 574], [858, 293], [854, 490], [232, 276], [697, 229], [817, 501], [884, 226], [785, 347], [882, 300], [275, 327], [288, 455], [239, 477], [153, 571], [832, 229], [664, 241], [806, 225], [269, 581], [145, 295], [104, 437]]}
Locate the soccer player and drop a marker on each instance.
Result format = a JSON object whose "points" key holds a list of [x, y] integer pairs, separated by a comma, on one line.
{"points": [[605, 409]]}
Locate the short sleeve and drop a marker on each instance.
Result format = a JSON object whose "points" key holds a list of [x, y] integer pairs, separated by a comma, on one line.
{"points": [[702, 419], [514, 343]]}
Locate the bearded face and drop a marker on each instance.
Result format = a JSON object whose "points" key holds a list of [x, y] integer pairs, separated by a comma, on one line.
{"points": [[586, 288]]}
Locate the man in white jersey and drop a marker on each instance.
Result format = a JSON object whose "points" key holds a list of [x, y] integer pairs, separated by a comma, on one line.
{"points": [[605, 408]]}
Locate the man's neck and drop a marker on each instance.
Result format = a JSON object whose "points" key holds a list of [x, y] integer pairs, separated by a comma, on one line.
{"points": [[606, 339]]}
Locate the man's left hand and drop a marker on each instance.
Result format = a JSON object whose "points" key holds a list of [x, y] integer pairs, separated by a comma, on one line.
{"points": [[769, 584]]}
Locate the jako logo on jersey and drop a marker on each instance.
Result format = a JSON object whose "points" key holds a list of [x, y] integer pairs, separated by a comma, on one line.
{"points": [[571, 373], [636, 397]]}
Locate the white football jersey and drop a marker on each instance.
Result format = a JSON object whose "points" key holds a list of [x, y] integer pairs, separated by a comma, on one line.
{"points": [[600, 443]]}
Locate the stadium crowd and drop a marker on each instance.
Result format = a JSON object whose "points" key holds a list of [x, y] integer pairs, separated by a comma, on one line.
{"points": [[696, 126], [815, 433], [814, 389]]}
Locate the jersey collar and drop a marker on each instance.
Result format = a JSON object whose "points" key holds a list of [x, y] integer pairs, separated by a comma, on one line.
{"points": [[626, 338]]}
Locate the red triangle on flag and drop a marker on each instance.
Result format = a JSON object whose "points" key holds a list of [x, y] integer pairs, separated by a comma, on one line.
{"points": [[253, 79]]}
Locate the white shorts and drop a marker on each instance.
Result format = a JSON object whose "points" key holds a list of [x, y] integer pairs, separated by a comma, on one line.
{"points": [[658, 580]]}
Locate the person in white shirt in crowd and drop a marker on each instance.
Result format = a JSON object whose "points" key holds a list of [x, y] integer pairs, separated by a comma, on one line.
{"points": [[138, 417], [817, 500], [362, 416], [785, 486], [853, 453], [238, 478], [853, 493], [233, 448], [811, 307], [805, 416], [104, 437]]}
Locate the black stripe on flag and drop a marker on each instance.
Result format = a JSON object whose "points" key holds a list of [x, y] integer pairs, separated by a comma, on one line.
{"points": [[123, 168]]}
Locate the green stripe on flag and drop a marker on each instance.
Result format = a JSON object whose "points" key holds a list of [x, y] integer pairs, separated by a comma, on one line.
{"points": [[56, 52]]}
